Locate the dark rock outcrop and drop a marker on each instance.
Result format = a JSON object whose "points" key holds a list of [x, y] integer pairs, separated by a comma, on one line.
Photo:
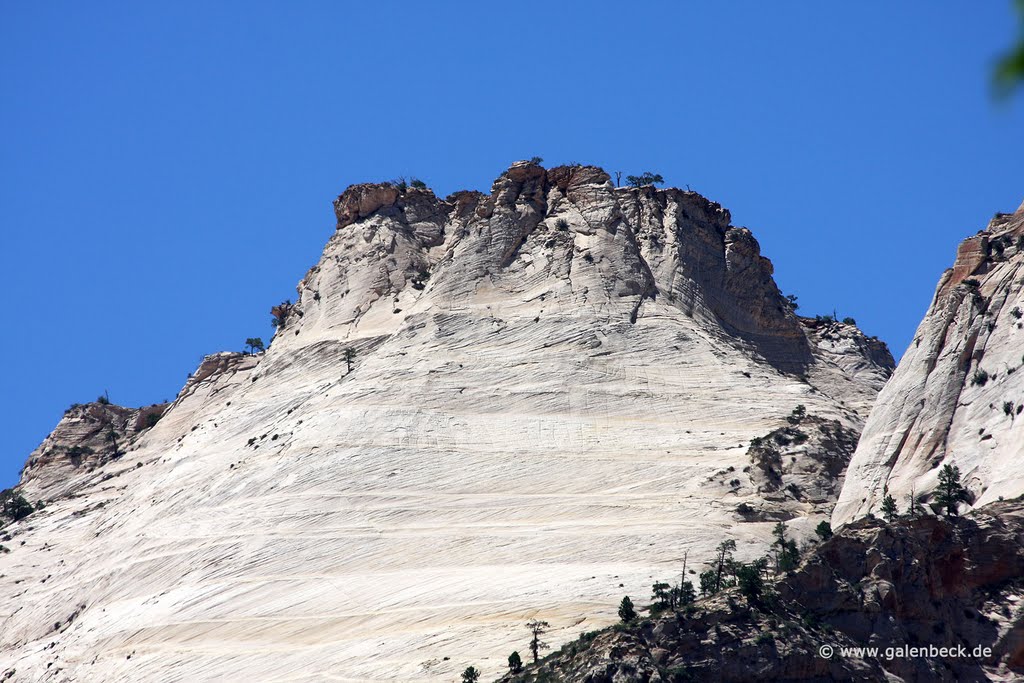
{"points": [[915, 583]]}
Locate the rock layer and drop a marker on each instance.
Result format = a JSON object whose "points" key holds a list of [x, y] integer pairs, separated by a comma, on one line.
{"points": [[544, 380], [958, 395], [87, 437]]}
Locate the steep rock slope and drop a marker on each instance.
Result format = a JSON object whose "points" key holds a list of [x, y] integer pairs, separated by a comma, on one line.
{"points": [[924, 583], [87, 437], [546, 380], [957, 396]]}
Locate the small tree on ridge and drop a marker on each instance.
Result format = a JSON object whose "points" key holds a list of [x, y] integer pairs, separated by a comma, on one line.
{"points": [[537, 629]]}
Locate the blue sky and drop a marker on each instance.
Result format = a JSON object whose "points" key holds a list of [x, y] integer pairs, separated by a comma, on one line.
{"points": [[167, 169]]}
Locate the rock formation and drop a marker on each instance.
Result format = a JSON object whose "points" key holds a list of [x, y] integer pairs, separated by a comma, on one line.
{"points": [[957, 397], [547, 382], [930, 582], [88, 436]]}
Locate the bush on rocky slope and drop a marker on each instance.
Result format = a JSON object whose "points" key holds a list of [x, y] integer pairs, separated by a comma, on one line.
{"points": [[923, 582]]}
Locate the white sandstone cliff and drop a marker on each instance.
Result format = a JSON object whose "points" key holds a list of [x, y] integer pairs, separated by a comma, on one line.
{"points": [[552, 400], [957, 396]]}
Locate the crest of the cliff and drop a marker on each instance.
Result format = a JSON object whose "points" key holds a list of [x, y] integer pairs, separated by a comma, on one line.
{"points": [[567, 233], [957, 398]]}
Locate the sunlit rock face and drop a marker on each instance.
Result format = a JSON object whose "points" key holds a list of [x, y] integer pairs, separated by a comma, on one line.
{"points": [[89, 436], [958, 393], [551, 403]]}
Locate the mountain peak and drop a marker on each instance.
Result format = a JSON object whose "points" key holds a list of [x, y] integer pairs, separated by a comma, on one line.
{"points": [[547, 393]]}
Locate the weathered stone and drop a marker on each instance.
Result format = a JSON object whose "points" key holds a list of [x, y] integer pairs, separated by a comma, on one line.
{"points": [[548, 382], [88, 437], [946, 576], [958, 395]]}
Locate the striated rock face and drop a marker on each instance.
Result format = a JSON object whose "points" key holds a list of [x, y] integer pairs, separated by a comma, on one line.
{"points": [[958, 394], [544, 380], [917, 583], [88, 436], [798, 469]]}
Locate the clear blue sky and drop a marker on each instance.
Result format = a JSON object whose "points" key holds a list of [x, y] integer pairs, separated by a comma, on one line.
{"points": [[167, 169]]}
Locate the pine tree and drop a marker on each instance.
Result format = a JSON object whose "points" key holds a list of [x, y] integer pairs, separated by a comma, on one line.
{"points": [[750, 580], [823, 530], [787, 557], [626, 611], [350, 356], [515, 663], [647, 178], [684, 594], [111, 435], [662, 594], [255, 345], [889, 510], [537, 629], [913, 507], [725, 550], [470, 675], [950, 492], [708, 582]]}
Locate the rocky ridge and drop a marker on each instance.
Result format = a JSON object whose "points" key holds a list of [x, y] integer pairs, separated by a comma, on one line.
{"points": [[544, 380], [87, 437], [957, 396], [915, 583]]}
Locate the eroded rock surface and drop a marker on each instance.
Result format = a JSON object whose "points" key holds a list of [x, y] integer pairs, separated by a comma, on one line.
{"points": [[88, 436], [915, 583], [544, 379], [958, 395]]}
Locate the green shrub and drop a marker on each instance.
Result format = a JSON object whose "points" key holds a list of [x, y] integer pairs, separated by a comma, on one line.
{"points": [[280, 314], [419, 280], [77, 451], [515, 663], [661, 594], [750, 581], [14, 506], [980, 377], [626, 610], [646, 178]]}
